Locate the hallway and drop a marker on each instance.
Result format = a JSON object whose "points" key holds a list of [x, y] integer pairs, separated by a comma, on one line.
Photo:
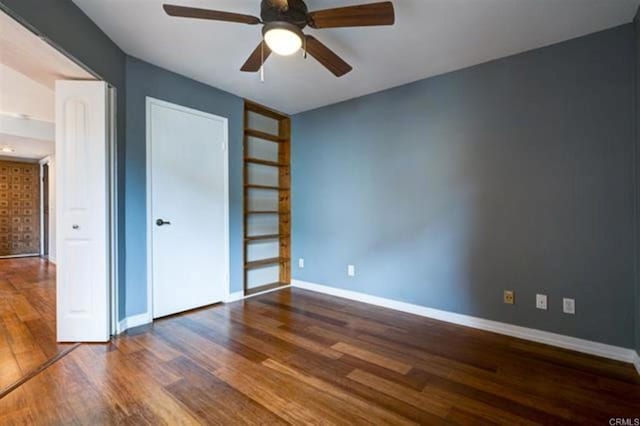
{"points": [[27, 317]]}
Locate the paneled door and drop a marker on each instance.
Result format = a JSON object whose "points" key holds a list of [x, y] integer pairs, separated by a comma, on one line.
{"points": [[187, 207], [82, 220]]}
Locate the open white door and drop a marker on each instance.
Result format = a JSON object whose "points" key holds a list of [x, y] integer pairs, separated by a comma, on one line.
{"points": [[82, 212]]}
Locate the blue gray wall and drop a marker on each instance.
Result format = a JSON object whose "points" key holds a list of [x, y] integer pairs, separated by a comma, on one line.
{"points": [[144, 79], [71, 30], [514, 174]]}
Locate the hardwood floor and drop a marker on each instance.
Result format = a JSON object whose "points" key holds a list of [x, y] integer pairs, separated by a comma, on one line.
{"points": [[299, 357], [27, 317]]}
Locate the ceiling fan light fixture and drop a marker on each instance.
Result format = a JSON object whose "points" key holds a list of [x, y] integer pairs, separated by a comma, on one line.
{"points": [[283, 38]]}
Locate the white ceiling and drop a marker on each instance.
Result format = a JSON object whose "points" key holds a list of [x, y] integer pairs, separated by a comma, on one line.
{"points": [[29, 68], [430, 37], [22, 95], [27, 54], [34, 149]]}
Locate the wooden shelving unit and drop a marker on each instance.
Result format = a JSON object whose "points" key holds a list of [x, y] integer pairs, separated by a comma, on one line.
{"points": [[281, 260]]}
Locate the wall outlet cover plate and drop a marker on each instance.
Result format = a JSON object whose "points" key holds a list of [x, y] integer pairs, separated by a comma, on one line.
{"points": [[569, 306], [509, 297], [541, 301]]}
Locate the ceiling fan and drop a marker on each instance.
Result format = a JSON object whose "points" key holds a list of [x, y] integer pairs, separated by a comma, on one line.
{"points": [[283, 22]]}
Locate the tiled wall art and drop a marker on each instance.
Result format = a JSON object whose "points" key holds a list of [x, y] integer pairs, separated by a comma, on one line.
{"points": [[19, 208]]}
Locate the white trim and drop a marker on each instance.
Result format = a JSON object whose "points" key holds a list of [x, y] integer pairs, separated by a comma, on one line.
{"points": [[239, 295], [42, 162], [145, 318], [234, 297], [636, 361], [149, 189], [553, 339], [112, 129], [15, 256], [133, 321]]}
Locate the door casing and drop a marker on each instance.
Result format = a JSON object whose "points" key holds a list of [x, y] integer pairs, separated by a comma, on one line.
{"points": [[149, 190], [45, 228]]}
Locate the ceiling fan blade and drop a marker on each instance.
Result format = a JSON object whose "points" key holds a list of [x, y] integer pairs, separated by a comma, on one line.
{"points": [[326, 57], [255, 61], [363, 15], [214, 15]]}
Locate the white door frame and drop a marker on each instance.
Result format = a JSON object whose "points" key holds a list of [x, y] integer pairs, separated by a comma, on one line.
{"points": [[112, 192], [45, 160], [149, 188]]}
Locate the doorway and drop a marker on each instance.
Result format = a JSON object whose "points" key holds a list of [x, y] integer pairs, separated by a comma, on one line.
{"points": [[19, 202], [188, 208], [36, 287]]}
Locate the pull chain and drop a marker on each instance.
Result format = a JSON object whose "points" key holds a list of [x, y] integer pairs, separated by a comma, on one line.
{"points": [[305, 47]]}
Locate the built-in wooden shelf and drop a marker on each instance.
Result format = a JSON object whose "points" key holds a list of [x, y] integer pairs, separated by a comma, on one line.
{"points": [[264, 262], [265, 136], [270, 122], [264, 237], [274, 188], [263, 110], [265, 162]]}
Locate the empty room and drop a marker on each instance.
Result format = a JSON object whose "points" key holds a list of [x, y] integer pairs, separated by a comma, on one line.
{"points": [[319, 212]]}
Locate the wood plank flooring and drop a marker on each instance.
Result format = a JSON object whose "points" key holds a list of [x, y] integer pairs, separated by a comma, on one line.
{"points": [[27, 317], [299, 357]]}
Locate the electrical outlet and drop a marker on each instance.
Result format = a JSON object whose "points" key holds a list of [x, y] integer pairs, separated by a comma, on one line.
{"points": [[301, 263], [569, 306], [541, 301], [509, 297], [351, 270]]}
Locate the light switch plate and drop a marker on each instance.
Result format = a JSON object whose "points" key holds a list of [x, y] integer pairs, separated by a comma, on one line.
{"points": [[541, 301], [569, 306], [301, 263], [351, 270]]}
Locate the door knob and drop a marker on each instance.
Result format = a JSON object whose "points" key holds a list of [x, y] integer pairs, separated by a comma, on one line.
{"points": [[161, 222]]}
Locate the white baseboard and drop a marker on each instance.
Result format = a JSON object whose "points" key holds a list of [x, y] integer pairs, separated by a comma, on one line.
{"points": [[18, 256], [234, 297], [134, 321], [239, 295], [145, 318], [580, 345]]}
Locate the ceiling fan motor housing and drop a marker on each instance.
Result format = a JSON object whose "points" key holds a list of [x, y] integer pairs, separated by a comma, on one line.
{"points": [[295, 14]]}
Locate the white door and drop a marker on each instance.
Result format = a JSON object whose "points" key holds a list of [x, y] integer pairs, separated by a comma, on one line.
{"points": [[188, 205], [81, 212]]}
